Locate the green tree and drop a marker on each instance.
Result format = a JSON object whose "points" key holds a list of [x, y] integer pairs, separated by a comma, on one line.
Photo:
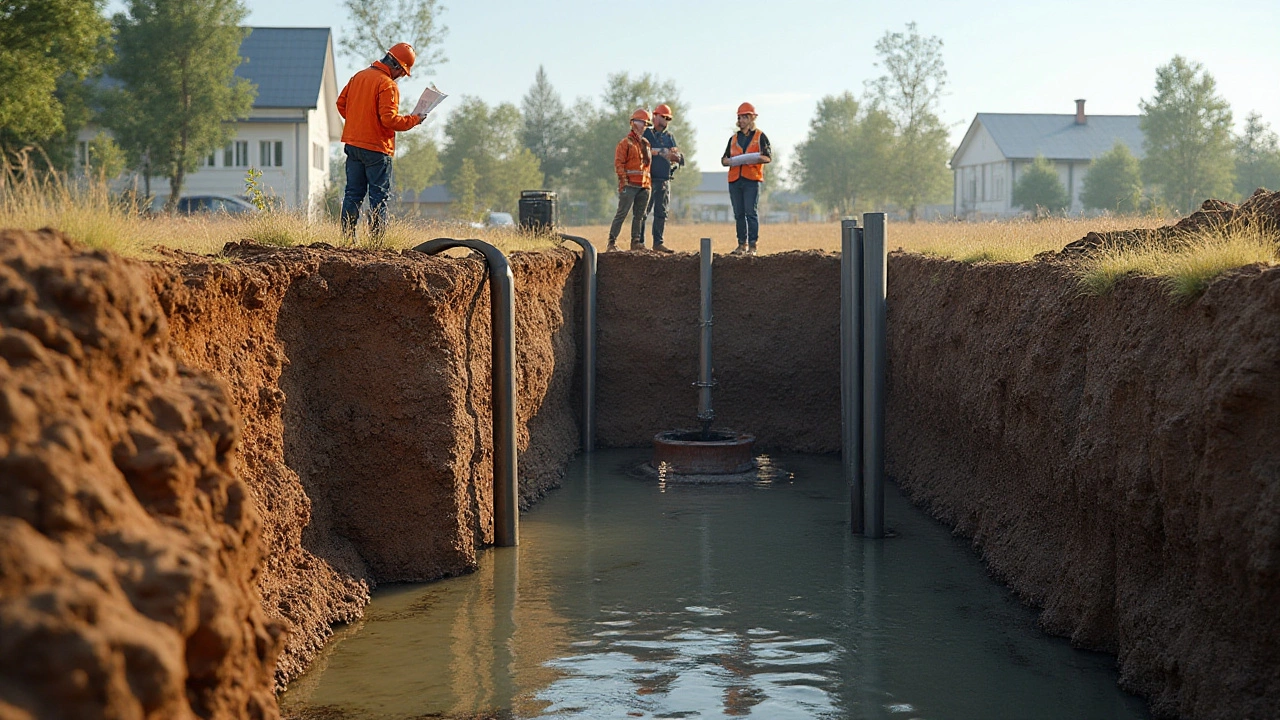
{"points": [[547, 132], [1187, 130], [1257, 156], [376, 25], [1114, 181], [177, 61], [106, 159], [1039, 187], [591, 182], [417, 163], [465, 204], [490, 139], [846, 153], [41, 44], [909, 91]]}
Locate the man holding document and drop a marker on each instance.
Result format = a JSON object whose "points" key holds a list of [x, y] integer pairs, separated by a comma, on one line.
{"points": [[746, 155], [370, 104]]}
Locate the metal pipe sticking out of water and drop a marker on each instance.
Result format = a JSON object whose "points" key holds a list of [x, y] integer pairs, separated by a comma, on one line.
{"points": [[706, 415], [874, 364], [588, 341]]}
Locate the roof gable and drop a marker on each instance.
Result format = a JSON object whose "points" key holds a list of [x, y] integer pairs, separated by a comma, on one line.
{"points": [[1057, 137], [287, 65]]}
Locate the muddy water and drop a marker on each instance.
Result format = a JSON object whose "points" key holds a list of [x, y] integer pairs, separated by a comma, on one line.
{"points": [[634, 597]]}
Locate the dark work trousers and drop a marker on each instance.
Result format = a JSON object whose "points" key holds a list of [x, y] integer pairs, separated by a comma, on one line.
{"points": [[659, 201], [745, 196], [367, 172], [635, 200]]}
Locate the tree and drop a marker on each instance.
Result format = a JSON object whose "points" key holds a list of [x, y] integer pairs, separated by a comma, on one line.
{"points": [[1257, 157], [1187, 130], [106, 159], [1040, 188], [1114, 181], [180, 96], [379, 24], [416, 164], [490, 139], [547, 131], [846, 154], [42, 43], [465, 206], [909, 91]]}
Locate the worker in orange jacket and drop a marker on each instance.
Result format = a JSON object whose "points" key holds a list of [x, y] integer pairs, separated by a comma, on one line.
{"points": [[370, 104], [631, 161]]}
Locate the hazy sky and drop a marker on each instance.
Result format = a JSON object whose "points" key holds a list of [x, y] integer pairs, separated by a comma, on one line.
{"points": [[1032, 56]]}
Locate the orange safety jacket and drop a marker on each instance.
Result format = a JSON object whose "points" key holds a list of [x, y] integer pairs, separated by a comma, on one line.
{"points": [[370, 103], [631, 161], [750, 172]]}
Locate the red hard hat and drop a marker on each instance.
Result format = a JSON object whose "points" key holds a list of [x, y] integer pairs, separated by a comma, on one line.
{"points": [[404, 54], [664, 110], [642, 114], [746, 109]]}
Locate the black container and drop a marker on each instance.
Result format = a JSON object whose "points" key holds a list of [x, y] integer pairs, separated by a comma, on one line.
{"points": [[538, 210]]}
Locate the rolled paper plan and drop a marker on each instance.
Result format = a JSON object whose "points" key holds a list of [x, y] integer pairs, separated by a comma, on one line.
{"points": [[747, 159]]}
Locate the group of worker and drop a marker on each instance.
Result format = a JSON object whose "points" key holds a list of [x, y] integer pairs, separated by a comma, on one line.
{"points": [[645, 160]]}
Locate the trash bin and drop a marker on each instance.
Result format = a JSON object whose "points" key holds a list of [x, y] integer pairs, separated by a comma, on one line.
{"points": [[538, 210]]}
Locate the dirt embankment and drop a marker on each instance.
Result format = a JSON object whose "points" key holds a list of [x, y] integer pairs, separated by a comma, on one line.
{"points": [[364, 382], [1115, 458], [129, 547], [775, 345]]}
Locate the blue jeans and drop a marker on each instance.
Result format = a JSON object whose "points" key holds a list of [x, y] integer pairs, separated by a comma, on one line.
{"points": [[367, 172], [745, 196], [659, 201]]}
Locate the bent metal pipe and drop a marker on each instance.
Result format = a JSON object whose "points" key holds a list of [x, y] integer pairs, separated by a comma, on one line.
{"points": [[506, 506]]}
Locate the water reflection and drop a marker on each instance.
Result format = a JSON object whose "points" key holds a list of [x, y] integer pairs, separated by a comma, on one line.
{"points": [[750, 600]]}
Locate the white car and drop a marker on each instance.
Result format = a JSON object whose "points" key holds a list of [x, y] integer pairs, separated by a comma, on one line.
{"points": [[500, 219]]}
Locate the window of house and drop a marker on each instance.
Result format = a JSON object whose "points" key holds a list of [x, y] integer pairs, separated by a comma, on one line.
{"points": [[210, 160], [270, 153], [236, 154], [82, 154], [317, 156]]}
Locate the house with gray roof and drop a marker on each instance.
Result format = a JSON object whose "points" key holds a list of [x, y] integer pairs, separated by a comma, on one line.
{"points": [[998, 146], [293, 120]]}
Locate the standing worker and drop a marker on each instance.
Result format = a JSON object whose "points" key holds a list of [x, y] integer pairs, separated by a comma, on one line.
{"points": [[746, 175], [631, 161], [667, 158], [370, 104]]}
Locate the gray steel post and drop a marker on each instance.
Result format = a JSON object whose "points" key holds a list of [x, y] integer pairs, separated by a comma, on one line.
{"points": [[874, 267], [502, 306], [706, 415], [588, 341], [851, 367]]}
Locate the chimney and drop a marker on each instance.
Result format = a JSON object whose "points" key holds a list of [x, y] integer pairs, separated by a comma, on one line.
{"points": [[1080, 118]]}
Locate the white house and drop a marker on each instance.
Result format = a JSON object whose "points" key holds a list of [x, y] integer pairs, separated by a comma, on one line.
{"points": [[288, 131], [710, 202], [998, 146]]}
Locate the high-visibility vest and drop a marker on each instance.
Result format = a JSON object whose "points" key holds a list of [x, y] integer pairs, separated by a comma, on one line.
{"points": [[750, 172]]}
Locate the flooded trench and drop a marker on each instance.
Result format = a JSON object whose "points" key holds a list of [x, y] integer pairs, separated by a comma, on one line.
{"points": [[631, 597]]}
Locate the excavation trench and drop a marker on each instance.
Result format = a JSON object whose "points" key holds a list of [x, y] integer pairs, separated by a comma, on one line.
{"points": [[1113, 459]]}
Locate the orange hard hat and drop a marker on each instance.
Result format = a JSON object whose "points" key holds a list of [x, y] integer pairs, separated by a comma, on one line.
{"points": [[642, 114], [746, 109], [664, 110], [404, 54]]}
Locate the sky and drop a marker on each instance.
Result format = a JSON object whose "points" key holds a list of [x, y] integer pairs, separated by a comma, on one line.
{"points": [[1033, 56]]}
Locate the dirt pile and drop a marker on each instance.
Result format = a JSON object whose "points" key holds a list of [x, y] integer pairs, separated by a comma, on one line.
{"points": [[1115, 458], [129, 547], [363, 380], [1261, 209]]}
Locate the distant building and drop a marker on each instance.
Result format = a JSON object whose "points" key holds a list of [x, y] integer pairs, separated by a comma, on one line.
{"points": [[434, 202], [710, 202], [998, 146], [288, 131]]}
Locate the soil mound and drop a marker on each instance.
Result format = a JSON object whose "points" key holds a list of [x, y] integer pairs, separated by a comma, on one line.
{"points": [[1261, 209], [129, 546]]}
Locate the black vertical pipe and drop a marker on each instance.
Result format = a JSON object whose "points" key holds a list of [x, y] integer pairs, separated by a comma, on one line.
{"points": [[588, 341], [502, 306], [874, 315], [851, 367]]}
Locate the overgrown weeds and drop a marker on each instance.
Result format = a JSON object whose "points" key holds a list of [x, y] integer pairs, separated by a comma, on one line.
{"points": [[1188, 265]]}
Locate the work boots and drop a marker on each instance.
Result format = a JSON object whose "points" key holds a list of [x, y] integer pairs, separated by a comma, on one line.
{"points": [[659, 247], [612, 247], [637, 244], [740, 250]]}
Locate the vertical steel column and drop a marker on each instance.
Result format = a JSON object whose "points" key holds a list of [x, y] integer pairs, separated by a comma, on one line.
{"points": [[874, 268], [588, 341], [502, 308], [706, 415], [851, 367]]}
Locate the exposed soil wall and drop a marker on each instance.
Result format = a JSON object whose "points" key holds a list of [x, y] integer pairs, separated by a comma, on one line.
{"points": [[775, 344], [364, 382], [1115, 458]]}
